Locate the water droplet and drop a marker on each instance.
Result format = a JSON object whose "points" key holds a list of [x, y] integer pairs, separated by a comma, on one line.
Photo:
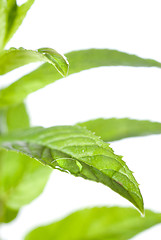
{"points": [[13, 48]]}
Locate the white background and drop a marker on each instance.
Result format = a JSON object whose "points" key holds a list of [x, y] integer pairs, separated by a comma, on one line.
{"points": [[130, 26]]}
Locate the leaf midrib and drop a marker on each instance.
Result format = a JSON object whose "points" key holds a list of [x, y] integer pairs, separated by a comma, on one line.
{"points": [[74, 158]]}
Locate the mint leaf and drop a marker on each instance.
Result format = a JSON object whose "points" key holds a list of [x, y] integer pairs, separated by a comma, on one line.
{"points": [[115, 129], [79, 61], [14, 58], [76, 150], [6, 214], [14, 17], [113, 223], [3, 16], [20, 176]]}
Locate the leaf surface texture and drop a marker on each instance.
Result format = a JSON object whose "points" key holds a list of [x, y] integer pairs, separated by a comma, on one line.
{"points": [[76, 150]]}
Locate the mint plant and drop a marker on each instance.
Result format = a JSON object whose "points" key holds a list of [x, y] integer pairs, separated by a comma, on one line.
{"points": [[27, 153]]}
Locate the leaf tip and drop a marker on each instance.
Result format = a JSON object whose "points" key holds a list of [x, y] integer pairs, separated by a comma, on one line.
{"points": [[59, 61]]}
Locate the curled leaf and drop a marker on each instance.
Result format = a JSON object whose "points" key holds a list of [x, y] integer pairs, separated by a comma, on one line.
{"points": [[14, 58], [59, 61]]}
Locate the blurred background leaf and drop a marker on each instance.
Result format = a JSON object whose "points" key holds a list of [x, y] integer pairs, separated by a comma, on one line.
{"points": [[114, 129], [14, 15], [21, 178], [3, 22], [113, 223]]}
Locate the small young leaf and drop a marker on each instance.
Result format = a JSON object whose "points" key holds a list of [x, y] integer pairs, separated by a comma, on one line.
{"points": [[115, 129], [113, 223], [15, 16], [3, 16], [14, 58], [79, 61], [76, 150], [20, 176]]}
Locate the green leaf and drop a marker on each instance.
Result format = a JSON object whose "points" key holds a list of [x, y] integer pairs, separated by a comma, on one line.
{"points": [[3, 16], [21, 179], [15, 16], [21, 119], [59, 61], [6, 214], [14, 118], [113, 223], [79, 61], [76, 150], [115, 129], [20, 176], [14, 58]]}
